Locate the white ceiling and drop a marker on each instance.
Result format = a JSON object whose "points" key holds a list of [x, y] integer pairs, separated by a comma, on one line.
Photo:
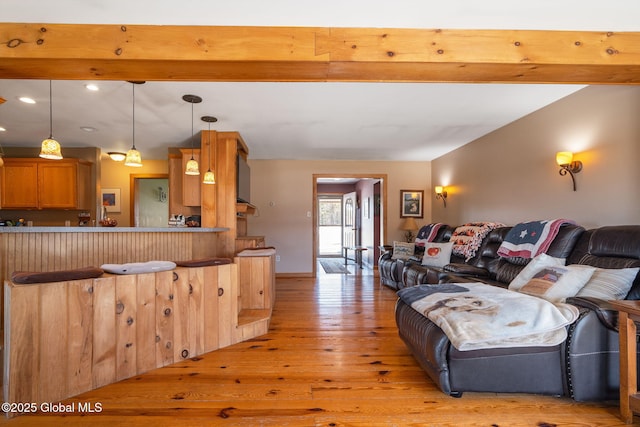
{"points": [[358, 121]]}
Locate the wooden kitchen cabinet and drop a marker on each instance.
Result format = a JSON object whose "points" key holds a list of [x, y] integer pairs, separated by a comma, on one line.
{"points": [[46, 184], [190, 183], [19, 184]]}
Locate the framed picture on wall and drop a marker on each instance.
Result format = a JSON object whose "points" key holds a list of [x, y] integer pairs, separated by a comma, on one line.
{"points": [[411, 203], [111, 199]]}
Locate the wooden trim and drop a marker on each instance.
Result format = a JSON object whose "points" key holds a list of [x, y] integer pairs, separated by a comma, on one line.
{"points": [[383, 200], [213, 53], [293, 275]]}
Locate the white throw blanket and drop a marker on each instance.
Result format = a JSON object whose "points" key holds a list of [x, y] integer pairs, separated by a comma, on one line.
{"points": [[476, 316]]}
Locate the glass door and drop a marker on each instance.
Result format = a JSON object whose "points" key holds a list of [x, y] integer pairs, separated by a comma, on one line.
{"points": [[330, 226]]}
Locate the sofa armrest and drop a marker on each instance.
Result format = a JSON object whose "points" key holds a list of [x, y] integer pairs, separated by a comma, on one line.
{"points": [[607, 315], [466, 270]]}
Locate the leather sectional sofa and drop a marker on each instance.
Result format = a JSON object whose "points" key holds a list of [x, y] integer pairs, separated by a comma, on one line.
{"points": [[585, 366]]}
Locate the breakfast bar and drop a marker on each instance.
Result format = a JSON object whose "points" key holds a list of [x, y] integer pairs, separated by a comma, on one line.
{"points": [[63, 248], [67, 336]]}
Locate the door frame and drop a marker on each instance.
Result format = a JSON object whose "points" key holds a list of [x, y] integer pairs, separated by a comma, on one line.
{"points": [[383, 206], [133, 192]]}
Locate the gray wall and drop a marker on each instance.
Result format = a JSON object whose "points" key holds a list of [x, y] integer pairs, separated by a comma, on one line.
{"points": [[510, 175]]}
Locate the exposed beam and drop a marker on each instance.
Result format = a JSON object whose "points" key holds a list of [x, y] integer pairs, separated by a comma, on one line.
{"points": [[201, 53]]}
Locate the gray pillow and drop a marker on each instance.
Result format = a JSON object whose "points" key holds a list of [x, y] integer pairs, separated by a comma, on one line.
{"points": [[609, 284]]}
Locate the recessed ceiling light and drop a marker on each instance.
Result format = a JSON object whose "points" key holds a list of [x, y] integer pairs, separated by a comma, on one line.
{"points": [[27, 100], [88, 128], [2, 129], [92, 87]]}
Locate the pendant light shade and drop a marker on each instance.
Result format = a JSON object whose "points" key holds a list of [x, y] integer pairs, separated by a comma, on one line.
{"points": [[133, 157], [192, 167], [209, 176], [50, 148]]}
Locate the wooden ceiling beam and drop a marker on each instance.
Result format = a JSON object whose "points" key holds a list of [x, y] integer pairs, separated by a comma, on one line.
{"points": [[202, 53]]}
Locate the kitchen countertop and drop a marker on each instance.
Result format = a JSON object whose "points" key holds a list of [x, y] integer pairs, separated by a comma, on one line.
{"points": [[112, 229]]}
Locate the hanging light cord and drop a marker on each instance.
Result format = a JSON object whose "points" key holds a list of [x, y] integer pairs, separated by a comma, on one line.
{"points": [[133, 115], [50, 111], [209, 146], [192, 131]]}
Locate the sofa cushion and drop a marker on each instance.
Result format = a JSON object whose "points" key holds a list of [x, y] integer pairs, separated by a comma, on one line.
{"points": [[203, 262], [139, 267], [437, 254], [31, 277], [536, 264], [609, 283], [557, 283], [403, 250]]}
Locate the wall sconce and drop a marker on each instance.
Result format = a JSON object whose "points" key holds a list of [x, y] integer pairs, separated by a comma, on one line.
{"points": [[568, 165], [441, 193], [409, 226]]}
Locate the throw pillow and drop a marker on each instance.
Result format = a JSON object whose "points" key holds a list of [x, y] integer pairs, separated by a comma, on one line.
{"points": [[555, 284], [402, 250], [437, 254], [535, 265], [609, 284]]}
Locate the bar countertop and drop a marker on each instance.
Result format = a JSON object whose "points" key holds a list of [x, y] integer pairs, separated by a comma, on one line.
{"points": [[112, 229]]}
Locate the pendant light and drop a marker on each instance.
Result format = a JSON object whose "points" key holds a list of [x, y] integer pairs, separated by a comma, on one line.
{"points": [[192, 165], [50, 147], [133, 157], [209, 176]]}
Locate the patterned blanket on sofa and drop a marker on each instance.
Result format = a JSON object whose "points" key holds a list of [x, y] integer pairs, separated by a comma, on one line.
{"points": [[530, 239], [468, 237], [476, 315]]}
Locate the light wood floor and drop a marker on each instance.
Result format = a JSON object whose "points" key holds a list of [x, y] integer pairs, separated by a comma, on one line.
{"points": [[331, 358]]}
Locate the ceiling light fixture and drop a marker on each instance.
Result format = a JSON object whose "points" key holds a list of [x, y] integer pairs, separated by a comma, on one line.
{"points": [[192, 165], [92, 87], [117, 156], [133, 157], [26, 100], [209, 176], [50, 148]]}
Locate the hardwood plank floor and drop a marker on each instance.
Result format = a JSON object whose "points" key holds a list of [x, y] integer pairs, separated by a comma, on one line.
{"points": [[332, 357]]}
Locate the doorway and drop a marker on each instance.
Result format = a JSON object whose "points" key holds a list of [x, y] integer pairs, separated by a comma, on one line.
{"points": [[149, 200], [367, 223]]}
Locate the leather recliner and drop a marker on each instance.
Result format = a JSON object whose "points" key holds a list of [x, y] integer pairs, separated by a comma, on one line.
{"points": [[539, 370], [390, 269]]}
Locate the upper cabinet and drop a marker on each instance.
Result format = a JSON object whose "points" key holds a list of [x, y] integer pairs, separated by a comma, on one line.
{"points": [[46, 184], [190, 183]]}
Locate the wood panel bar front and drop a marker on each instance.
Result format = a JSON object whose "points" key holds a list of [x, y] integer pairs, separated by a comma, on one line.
{"points": [[65, 338], [63, 248]]}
